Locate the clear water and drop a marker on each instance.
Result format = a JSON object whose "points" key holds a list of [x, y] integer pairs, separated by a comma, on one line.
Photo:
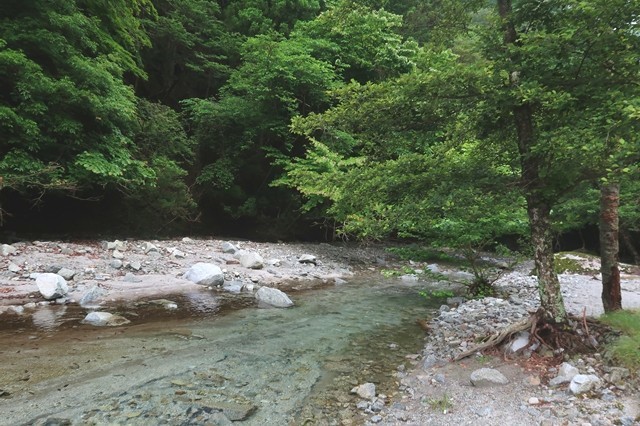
{"points": [[286, 366]]}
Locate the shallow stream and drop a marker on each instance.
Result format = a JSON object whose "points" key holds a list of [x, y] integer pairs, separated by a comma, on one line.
{"points": [[181, 366]]}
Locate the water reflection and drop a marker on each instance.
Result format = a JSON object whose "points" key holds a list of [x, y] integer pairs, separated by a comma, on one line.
{"points": [[48, 318]]}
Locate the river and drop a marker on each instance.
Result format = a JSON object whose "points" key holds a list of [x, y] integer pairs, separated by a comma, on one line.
{"points": [[179, 366]]}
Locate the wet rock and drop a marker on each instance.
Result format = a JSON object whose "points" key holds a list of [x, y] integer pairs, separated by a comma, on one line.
{"points": [[7, 250], [566, 373], [308, 258], [205, 274], [582, 383], [116, 263], [233, 411], [339, 281], [52, 286], [16, 309], [233, 286], [273, 297], [101, 319], [488, 377], [366, 391], [252, 260], [227, 247], [67, 273]]}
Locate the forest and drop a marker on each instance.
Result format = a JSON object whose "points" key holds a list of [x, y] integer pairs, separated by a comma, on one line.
{"points": [[458, 123]]}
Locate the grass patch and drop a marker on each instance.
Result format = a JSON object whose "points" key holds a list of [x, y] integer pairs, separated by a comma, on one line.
{"points": [[443, 404], [422, 254], [626, 349]]}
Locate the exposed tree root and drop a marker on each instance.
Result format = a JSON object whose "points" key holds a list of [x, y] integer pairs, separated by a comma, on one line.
{"points": [[574, 336]]}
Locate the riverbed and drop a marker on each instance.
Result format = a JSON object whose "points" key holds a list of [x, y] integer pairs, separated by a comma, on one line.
{"points": [[212, 354]]}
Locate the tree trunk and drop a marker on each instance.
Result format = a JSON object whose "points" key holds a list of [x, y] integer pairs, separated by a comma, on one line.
{"points": [[628, 242], [609, 246], [548, 284], [538, 207]]}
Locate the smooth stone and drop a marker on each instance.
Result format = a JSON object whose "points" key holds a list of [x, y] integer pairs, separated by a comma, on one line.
{"points": [[116, 263], [101, 319], [67, 273], [13, 268], [273, 297], [365, 391], [7, 250], [520, 342], [308, 258], [227, 247], [252, 260], [52, 286], [488, 377], [205, 274]]}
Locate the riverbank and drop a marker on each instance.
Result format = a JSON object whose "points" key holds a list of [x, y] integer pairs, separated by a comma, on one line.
{"points": [[429, 388]]}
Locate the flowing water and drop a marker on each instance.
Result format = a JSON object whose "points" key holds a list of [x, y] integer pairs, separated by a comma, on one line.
{"points": [[259, 366]]}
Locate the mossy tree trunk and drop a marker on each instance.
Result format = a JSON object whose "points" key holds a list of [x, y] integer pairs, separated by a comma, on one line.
{"points": [[609, 246]]}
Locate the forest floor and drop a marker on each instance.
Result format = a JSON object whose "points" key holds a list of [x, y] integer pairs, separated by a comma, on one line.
{"points": [[435, 391]]}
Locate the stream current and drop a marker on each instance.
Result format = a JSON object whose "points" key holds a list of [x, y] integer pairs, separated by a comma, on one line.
{"points": [[213, 353]]}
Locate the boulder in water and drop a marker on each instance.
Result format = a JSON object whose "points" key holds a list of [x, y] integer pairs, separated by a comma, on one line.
{"points": [[273, 297]]}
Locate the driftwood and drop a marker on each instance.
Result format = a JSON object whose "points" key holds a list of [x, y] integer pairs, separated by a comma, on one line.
{"points": [[499, 337]]}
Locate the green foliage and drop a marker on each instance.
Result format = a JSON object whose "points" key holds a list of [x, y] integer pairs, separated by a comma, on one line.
{"points": [[422, 254], [191, 52], [626, 349], [443, 404], [64, 109]]}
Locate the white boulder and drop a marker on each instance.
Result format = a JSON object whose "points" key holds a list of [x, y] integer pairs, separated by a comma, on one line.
{"points": [[273, 297], [205, 274], [52, 286], [252, 260]]}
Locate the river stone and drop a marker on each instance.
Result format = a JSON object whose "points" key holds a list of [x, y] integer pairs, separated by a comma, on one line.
{"points": [[582, 383], [117, 254], [13, 268], [227, 247], [7, 250], [307, 258], [101, 319], [365, 391], [233, 411], [488, 377], [233, 286], [273, 297], [52, 286], [67, 273], [116, 263], [205, 274], [252, 260], [566, 372]]}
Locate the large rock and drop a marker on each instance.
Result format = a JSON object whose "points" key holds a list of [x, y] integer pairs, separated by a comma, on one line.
{"points": [[273, 297], [52, 286], [7, 250], [205, 274], [365, 391], [102, 319], [520, 342], [252, 260], [582, 383], [488, 377]]}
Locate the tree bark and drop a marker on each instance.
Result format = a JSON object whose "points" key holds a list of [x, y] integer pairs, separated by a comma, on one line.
{"points": [[538, 207], [609, 247]]}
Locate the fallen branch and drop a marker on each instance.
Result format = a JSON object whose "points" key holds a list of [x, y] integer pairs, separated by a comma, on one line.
{"points": [[502, 335]]}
